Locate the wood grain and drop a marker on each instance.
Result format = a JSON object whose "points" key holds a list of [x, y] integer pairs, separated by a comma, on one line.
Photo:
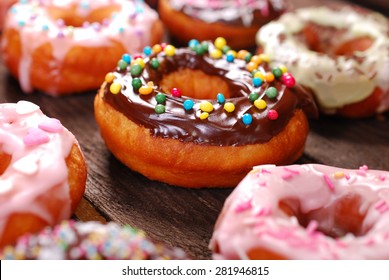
{"points": [[185, 217]]}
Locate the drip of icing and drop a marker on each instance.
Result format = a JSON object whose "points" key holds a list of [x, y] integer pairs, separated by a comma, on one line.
{"points": [[37, 165], [131, 26], [309, 192], [342, 80]]}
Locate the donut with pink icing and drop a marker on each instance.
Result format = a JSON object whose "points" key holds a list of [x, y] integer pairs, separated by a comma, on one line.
{"points": [[237, 21], [66, 47], [42, 171], [306, 211]]}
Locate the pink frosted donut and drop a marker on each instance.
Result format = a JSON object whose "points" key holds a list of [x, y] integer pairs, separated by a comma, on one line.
{"points": [[4, 6], [65, 47], [72, 240], [42, 171], [306, 211]]}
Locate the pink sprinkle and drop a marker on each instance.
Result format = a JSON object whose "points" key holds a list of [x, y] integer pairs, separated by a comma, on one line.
{"points": [[35, 136], [51, 125], [361, 172], [370, 242], [380, 204], [272, 115], [263, 212], [288, 80], [364, 167], [382, 177], [246, 205], [312, 226], [291, 170], [340, 244], [287, 176], [176, 92], [347, 176], [263, 170], [328, 182]]}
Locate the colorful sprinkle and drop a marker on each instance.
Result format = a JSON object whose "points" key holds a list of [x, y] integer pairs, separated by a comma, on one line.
{"points": [[109, 77], [220, 42], [138, 60], [226, 49], [136, 83], [220, 98], [156, 48], [147, 89], [154, 63], [251, 66], [229, 107], [243, 206], [115, 88], [257, 82], [206, 106], [230, 57], [216, 54], [283, 68], [147, 50], [35, 136], [277, 72], [193, 43], [271, 92], [264, 57], [339, 175], [288, 80], [204, 115], [176, 92], [253, 96], [247, 119], [259, 75], [260, 104], [188, 104], [269, 77], [328, 181], [51, 125], [272, 115], [256, 59], [159, 109], [160, 97], [241, 54], [122, 65], [169, 50], [135, 70]]}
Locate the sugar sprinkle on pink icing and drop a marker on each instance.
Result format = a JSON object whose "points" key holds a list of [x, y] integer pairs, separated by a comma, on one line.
{"points": [[35, 136], [51, 125]]}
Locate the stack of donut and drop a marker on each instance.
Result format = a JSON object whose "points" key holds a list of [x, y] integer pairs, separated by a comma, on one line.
{"points": [[65, 48], [340, 52], [42, 171]]}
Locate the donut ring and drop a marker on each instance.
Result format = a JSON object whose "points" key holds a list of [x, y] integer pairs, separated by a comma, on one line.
{"points": [[340, 53], [42, 171], [167, 121], [305, 212], [72, 240], [236, 21], [68, 48]]}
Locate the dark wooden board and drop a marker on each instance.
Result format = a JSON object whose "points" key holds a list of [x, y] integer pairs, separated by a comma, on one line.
{"points": [[177, 216]]}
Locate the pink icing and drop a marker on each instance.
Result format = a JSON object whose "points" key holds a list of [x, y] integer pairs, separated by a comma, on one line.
{"points": [[37, 164], [131, 26], [238, 232]]}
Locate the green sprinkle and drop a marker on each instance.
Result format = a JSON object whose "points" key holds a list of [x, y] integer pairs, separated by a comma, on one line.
{"points": [[277, 72], [154, 63], [271, 92], [253, 96], [135, 70], [159, 109], [122, 64], [160, 98], [136, 83]]}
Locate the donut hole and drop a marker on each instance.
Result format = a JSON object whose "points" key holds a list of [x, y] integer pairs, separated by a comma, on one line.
{"points": [[5, 160], [195, 84], [75, 16], [328, 40], [344, 216]]}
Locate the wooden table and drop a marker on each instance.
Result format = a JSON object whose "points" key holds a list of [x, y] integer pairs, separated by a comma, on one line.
{"points": [[177, 216]]}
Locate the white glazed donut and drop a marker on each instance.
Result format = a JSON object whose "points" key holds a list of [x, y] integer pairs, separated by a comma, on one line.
{"points": [[339, 74], [305, 212], [42, 171], [65, 47]]}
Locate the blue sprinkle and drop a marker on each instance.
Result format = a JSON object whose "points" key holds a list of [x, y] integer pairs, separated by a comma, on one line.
{"points": [[230, 57], [188, 104], [257, 82], [247, 119], [45, 27], [23, 1], [193, 43], [147, 50], [220, 98], [84, 5], [121, 29], [127, 58], [21, 23], [14, 10]]}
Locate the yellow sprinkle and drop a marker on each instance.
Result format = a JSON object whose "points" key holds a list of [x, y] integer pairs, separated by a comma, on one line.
{"points": [[260, 104], [220, 42], [264, 57], [234, 54], [115, 88], [269, 77], [170, 50], [260, 75], [144, 90], [256, 59], [284, 69], [338, 175], [206, 106], [139, 61], [109, 77], [251, 66], [216, 53], [229, 107], [204, 115], [157, 48]]}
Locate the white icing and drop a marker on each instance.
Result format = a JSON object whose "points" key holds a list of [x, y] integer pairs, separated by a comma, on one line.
{"points": [[131, 26], [310, 192], [33, 170], [342, 80]]}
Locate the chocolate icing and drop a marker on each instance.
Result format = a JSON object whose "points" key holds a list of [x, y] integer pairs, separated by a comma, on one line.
{"points": [[221, 128]]}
